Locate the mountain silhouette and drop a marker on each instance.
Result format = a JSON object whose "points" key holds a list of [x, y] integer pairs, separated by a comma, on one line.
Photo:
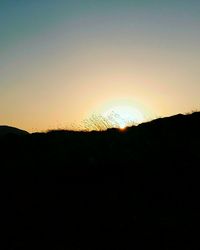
{"points": [[5, 130], [132, 189]]}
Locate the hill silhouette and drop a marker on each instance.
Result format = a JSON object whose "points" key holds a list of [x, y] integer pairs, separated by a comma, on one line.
{"points": [[7, 130], [132, 189]]}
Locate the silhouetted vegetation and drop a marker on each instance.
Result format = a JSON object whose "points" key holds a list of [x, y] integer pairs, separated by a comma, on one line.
{"points": [[99, 122], [132, 189]]}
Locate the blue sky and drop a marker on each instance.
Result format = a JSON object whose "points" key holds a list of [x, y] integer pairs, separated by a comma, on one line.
{"points": [[60, 61]]}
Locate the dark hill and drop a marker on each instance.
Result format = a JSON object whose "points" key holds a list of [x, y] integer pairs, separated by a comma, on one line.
{"points": [[7, 130], [136, 189]]}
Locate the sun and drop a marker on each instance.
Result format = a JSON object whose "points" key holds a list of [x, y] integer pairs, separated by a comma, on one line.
{"points": [[122, 116], [116, 113], [122, 126]]}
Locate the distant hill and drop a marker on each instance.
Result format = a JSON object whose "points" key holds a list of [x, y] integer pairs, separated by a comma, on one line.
{"points": [[5, 130]]}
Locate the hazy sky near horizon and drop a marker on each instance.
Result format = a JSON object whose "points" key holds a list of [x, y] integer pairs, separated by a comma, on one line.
{"points": [[60, 61]]}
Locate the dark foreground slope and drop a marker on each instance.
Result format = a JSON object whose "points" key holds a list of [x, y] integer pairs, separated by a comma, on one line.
{"points": [[135, 189], [7, 130]]}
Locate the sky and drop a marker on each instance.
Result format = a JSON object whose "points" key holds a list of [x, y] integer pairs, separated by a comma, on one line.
{"points": [[63, 61]]}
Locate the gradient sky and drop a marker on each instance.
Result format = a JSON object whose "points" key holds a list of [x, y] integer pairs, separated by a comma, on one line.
{"points": [[61, 61]]}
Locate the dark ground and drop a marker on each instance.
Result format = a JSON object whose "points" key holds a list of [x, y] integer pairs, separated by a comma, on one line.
{"points": [[137, 189]]}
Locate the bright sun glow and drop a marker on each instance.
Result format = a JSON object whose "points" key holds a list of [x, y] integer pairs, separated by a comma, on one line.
{"points": [[122, 116], [117, 113]]}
